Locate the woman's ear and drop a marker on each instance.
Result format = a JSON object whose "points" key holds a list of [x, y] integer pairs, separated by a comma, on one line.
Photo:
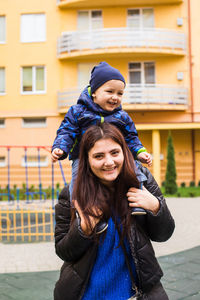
{"points": [[93, 95]]}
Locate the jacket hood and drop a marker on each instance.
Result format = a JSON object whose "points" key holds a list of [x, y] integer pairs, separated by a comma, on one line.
{"points": [[86, 99]]}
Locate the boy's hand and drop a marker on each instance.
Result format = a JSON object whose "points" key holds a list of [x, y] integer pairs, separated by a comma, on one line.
{"points": [[145, 157], [56, 154]]}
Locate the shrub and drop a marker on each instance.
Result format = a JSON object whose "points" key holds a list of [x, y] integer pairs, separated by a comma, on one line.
{"points": [[170, 177], [163, 183], [199, 183], [182, 184], [192, 194], [192, 183], [32, 188]]}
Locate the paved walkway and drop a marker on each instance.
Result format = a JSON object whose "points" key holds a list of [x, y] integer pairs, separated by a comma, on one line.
{"points": [[181, 280], [29, 271]]}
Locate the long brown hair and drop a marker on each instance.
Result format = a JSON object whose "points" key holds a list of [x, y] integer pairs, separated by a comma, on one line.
{"points": [[90, 192]]}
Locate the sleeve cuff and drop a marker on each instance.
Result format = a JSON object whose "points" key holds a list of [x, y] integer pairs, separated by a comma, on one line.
{"points": [[141, 150]]}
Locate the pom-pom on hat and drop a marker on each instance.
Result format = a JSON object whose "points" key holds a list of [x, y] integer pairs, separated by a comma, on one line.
{"points": [[102, 73]]}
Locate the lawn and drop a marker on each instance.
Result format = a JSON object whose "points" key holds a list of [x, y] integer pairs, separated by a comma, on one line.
{"points": [[191, 191]]}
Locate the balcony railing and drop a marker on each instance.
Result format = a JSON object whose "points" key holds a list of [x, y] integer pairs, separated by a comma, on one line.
{"points": [[121, 37], [85, 3], [136, 94]]}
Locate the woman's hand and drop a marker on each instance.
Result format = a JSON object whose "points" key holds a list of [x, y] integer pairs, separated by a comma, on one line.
{"points": [[84, 226], [143, 198]]}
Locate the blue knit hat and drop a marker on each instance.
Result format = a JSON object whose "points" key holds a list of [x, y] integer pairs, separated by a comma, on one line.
{"points": [[102, 73]]}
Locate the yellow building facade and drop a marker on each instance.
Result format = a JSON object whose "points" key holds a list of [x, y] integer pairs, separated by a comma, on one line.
{"points": [[48, 48]]}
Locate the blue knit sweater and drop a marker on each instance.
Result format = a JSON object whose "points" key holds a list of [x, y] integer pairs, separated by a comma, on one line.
{"points": [[110, 279]]}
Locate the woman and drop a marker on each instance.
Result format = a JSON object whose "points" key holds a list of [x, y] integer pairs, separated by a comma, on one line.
{"points": [[119, 262]]}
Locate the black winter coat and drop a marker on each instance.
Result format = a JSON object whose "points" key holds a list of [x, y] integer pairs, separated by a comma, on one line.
{"points": [[79, 251]]}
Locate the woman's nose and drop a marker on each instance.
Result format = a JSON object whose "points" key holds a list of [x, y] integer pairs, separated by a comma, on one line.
{"points": [[108, 161]]}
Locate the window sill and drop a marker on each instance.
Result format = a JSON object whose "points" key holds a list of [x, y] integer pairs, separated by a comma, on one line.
{"points": [[30, 42], [33, 93]]}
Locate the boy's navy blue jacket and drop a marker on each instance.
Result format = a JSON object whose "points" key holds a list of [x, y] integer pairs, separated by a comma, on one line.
{"points": [[86, 113]]}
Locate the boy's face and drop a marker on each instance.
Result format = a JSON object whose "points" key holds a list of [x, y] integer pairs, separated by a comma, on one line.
{"points": [[109, 95]]}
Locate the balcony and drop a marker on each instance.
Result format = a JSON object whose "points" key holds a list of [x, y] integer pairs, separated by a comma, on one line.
{"points": [[137, 97], [103, 3], [121, 40]]}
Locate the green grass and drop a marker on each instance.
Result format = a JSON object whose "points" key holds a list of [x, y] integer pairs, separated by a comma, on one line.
{"points": [[22, 191], [193, 191]]}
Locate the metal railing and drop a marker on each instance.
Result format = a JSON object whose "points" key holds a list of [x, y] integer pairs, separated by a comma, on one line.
{"points": [[136, 94], [121, 37], [169, 1], [28, 193], [26, 225], [28, 174]]}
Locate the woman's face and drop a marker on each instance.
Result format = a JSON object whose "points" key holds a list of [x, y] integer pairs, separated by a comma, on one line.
{"points": [[106, 160]]}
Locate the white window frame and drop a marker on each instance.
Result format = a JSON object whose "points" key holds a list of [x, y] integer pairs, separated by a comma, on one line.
{"points": [[3, 41], [142, 71], [141, 25], [33, 38], [4, 123], [161, 156], [91, 65], [3, 163], [34, 164], [33, 81], [34, 124], [90, 17], [3, 93]]}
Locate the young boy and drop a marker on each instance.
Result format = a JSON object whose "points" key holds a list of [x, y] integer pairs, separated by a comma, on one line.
{"points": [[99, 102]]}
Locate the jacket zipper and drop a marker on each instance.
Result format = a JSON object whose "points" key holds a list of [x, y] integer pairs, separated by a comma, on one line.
{"points": [[135, 258]]}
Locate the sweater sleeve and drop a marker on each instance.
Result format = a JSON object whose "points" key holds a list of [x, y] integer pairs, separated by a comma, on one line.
{"points": [[131, 136], [68, 132], [70, 244], [158, 227]]}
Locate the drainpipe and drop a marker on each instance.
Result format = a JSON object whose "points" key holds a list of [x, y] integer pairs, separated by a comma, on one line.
{"points": [[191, 89]]}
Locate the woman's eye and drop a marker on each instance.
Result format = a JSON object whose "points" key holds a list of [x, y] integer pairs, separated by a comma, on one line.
{"points": [[98, 156], [115, 152]]}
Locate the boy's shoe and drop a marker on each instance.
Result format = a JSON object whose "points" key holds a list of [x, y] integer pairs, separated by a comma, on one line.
{"points": [[138, 211], [101, 227]]}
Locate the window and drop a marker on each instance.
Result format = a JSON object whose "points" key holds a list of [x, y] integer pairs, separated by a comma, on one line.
{"points": [[90, 20], [84, 72], [2, 161], [33, 28], [33, 80], [140, 18], [2, 81], [32, 161], [34, 122], [2, 123], [2, 29], [142, 73], [161, 156]]}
